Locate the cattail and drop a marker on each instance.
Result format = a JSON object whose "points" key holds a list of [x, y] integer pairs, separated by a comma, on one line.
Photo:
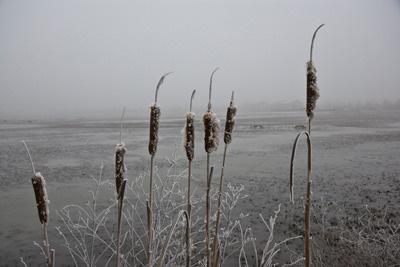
{"points": [[189, 131], [120, 168], [230, 121], [39, 187], [155, 114], [312, 88], [189, 135], [211, 127], [211, 124], [189, 147], [211, 141], [312, 96], [229, 124]]}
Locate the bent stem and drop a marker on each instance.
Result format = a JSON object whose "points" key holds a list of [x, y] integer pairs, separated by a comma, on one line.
{"points": [[210, 88], [120, 203], [30, 157], [215, 242], [308, 194], [209, 177], [312, 40]]}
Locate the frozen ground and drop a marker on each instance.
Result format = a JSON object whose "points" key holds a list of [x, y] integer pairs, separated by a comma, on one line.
{"points": [[356, 163]]}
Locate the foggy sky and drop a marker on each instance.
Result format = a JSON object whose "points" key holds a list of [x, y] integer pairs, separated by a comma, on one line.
{"points": [[72, 57]]}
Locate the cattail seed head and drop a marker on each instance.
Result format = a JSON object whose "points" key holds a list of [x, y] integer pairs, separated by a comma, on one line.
{"points": [[39, 187], [155, 113], [230, 122], [120, 168], [189, 135], [211, 131], [312, 90]]}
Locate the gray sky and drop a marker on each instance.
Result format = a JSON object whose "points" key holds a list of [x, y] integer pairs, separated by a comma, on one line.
{"points": [[81, 56]]}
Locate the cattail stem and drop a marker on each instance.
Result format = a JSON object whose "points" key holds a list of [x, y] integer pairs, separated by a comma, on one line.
{"points": [[160, 82], [210, 88], [122, 120], [307, 205], [312, 40], [150, 214], [46, 243], [215, 241], [189, 218], [210, 171], [30, 158], [120, 204], [191, 100], [53, 257]]}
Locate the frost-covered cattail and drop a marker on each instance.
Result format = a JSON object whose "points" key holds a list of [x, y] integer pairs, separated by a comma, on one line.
{"points": [[211, 141], [189, 131], [120, 169], [39, 187], [211, 127], [312, 88], [230, 121], [155, 113], [211, 124]]}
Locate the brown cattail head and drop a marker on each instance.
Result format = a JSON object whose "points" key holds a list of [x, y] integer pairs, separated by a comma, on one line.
{"points": [[39, 187], [189, 135], [211, 131], [230, 121], [120, 169], [155, 114], [312, 90]]}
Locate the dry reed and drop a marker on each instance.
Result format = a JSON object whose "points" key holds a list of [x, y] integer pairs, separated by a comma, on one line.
{"points": [[155, 113], [312, 96], [229, 124], [211, 141]]}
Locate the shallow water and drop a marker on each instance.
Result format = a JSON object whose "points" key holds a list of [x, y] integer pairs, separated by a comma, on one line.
{"points": [[355, 163]]}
